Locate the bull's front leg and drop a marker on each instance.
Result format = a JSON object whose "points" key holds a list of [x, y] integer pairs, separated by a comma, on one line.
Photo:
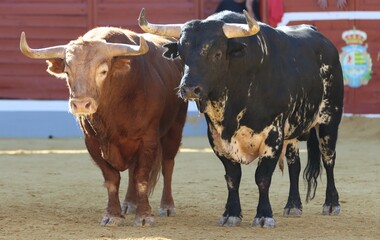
{"points": [[263, 178], [113, 215], [293, 207], [271, 152], [232, 215]]}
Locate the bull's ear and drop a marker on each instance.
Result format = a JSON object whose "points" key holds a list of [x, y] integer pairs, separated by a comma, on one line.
{"points": [[121, 64], [235, 48], [56, 67], [172, 50]]}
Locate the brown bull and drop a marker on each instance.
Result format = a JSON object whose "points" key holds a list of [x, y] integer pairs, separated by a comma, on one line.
{"points": [[123, 95]]}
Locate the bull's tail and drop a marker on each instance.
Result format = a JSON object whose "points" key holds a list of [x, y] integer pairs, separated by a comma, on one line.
{"points": [[313, 167], [154, 174]]}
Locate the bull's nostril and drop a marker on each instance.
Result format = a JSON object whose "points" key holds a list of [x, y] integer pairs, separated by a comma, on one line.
{"points": [[88, 105], [197, 91], [73, 105], [190, 92]]}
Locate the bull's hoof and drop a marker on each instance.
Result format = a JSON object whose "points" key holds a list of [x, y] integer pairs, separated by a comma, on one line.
{"points": [[229, 221], [128, 208], [143, 221], [331, 210], [265, 222], [292, 212], [167, 212], [112, 221]]}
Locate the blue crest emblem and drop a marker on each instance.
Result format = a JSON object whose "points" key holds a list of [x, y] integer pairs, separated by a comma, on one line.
{"points": [[355, 60]]}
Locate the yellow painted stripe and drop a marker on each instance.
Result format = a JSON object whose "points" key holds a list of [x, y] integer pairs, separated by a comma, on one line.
{"points": [[27, 152], [82, 151]]}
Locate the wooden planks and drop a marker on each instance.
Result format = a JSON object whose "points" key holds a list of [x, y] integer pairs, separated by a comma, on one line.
{"points": [[46, 23], [116, 13], [312, 6], [56, 22]]}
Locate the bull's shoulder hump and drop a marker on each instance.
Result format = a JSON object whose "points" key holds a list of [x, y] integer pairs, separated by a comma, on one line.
{"points": [[158, 40], [297, 28]]}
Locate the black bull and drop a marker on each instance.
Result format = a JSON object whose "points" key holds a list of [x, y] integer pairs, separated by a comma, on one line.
{"points": [[261, 93]]}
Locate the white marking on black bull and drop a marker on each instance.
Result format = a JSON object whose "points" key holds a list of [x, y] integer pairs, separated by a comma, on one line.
{"points": [[327, 153], [294, 147], [245, 145], [324, 116], [215, 111], [264, 48], [250, 89], [205, 48]]}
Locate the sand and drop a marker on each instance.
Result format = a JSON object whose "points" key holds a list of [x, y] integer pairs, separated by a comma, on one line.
{"points": [[57, 193]]}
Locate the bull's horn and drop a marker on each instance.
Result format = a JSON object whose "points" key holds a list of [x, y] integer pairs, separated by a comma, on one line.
{"points": [[41, 53], [169, 30], [119, 49], [234, 30]]}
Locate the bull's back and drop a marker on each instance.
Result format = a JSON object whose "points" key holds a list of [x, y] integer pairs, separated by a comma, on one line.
{"points": [[306, 38], [322, 53]]}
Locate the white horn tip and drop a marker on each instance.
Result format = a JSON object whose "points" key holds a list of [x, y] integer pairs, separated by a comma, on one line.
{"points": [[23, 44], [253, 26], [142, 20], [249, 19], [22, 37]]}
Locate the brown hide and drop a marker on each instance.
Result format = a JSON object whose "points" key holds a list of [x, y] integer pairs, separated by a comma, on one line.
{"points": [[138, 119]]}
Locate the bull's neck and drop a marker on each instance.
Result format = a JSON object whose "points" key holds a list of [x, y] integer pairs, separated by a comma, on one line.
{"points": [[216, 111], [92, 125]]}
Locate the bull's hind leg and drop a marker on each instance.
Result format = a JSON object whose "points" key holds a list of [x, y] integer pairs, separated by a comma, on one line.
{"points": [[330, 115], [170, 145], [294, 205], [167, 207], [145, 176], [130, 202], [327, 135]]}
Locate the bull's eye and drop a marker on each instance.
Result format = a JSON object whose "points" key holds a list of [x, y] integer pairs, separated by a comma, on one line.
{"points": [[101, 73]]}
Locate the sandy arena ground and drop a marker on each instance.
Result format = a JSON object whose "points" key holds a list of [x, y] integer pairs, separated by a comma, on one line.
{"points": [[57, 193]]}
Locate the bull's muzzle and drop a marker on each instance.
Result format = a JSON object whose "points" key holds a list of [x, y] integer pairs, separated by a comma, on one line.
{"points": [[83, 106], [190, 93]]}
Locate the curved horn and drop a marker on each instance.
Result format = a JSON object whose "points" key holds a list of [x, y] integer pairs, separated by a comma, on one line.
{"points": [[169, 30], [41, 53], [234, 30], [119, 49]]}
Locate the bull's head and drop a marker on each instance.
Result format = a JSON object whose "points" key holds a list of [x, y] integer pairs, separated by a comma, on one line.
{"points": [[206, 48], [85, 63]]}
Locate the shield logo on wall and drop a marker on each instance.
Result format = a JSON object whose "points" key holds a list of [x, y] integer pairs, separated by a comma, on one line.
{"points": [[355, 60]]}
